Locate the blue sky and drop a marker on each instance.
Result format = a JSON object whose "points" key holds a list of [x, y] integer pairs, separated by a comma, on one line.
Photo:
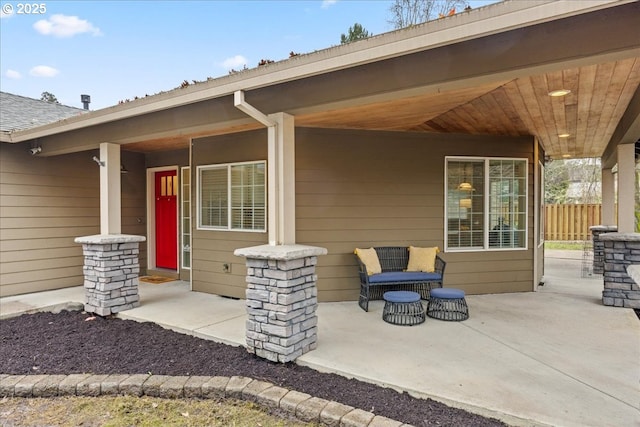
{"points": [[116, 50]]}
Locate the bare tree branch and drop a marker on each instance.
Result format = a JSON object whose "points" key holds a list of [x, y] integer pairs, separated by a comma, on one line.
{"points": [[405, 13]]}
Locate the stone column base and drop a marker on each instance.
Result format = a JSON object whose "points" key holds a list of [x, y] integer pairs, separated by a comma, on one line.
{"points": [[598, 245], [111, 270], [282, 299], [621, 251]]}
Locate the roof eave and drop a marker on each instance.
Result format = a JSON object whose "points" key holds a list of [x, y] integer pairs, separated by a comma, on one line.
{"points": [[492, 19], [5, 137]]}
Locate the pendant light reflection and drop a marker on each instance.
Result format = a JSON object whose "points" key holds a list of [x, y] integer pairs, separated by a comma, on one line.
{"points": [[465, 186], [465, 203]]}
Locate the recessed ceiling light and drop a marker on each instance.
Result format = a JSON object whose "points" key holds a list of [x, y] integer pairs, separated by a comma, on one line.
{"points": [[564, 135], [566, 156], [559, 92]]}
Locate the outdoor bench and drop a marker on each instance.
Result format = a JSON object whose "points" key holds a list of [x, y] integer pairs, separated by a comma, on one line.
{"points": [[394, 263]]}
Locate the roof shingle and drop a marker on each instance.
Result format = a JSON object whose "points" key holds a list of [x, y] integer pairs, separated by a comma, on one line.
{"points": [[19, 112]]}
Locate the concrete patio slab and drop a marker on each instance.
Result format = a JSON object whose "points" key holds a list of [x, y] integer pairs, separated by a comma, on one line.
{"points": [[206, 315], [53, 301], [553, 357]]}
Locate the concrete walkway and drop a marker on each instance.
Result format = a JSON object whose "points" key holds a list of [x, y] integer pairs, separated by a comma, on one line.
{"points": [[554, 357]]}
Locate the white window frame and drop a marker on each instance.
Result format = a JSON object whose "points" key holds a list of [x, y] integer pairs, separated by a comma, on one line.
{"points": [[185, 217], [229, 227], [486, 214]]}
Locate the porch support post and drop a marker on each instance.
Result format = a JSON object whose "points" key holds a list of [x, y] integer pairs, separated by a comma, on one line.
{"points": [[282, 299], [111, 259], [110, 193], [621, 264], [281, 294], [282, 191], [626, 188], [598, 245], [111, 269], [608, 198], [280, 170]]}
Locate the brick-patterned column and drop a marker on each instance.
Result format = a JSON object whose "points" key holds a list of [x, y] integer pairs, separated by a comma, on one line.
{"points": [[111, 270], [621, 250], [282, 299], [598, 245]]}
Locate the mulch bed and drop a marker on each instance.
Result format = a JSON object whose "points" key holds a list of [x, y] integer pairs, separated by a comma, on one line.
{"points": [[68, 343]]}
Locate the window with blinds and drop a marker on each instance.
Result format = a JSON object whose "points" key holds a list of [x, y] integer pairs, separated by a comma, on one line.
{"points": [[232, 196], [465, 203], [486, 203], [248, 197]]}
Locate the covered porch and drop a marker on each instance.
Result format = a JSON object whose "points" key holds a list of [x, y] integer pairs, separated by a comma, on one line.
{"points": [[478, 85], [553, 357]]}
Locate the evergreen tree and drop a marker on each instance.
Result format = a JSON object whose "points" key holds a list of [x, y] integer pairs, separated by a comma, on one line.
{"points": [[49, 97], [356, 32]]}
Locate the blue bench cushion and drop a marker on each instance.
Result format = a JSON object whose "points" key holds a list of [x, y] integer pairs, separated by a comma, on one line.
{"points": [[401, 296], [449, 293], [405, 276]]}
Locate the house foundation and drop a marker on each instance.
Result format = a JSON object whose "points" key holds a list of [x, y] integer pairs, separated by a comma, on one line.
{"points": [[111, 269], [598, 245], [621, 250], [282, 299]]}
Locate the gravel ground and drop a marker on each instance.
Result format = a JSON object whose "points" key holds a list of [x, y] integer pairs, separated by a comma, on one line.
{"points": [[76, 342]]}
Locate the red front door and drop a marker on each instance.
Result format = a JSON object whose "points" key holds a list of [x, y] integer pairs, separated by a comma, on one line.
{"points": [[166, 220]]}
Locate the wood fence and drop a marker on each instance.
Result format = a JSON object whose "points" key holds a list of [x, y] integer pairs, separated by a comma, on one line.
{"points": [[571, 222]]}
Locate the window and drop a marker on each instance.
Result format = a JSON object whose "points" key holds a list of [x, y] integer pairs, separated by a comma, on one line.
{"points": [[186, 217], [486, 203], [232, 197], [465, 203]]}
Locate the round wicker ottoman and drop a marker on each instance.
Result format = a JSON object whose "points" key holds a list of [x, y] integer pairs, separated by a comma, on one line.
{"points": [[403, 308], [448, 304]]}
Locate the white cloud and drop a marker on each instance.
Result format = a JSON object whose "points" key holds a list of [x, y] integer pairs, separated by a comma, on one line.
{"points": [[13, 74], [65, 26], [43, 71], [328, 3], [234, 62]]}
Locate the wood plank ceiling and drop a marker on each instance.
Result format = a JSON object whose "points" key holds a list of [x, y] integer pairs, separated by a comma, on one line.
{"points": [[589, 114]]}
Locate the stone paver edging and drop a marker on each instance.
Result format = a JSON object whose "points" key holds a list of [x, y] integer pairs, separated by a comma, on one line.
{"points": [[300, 405]]}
